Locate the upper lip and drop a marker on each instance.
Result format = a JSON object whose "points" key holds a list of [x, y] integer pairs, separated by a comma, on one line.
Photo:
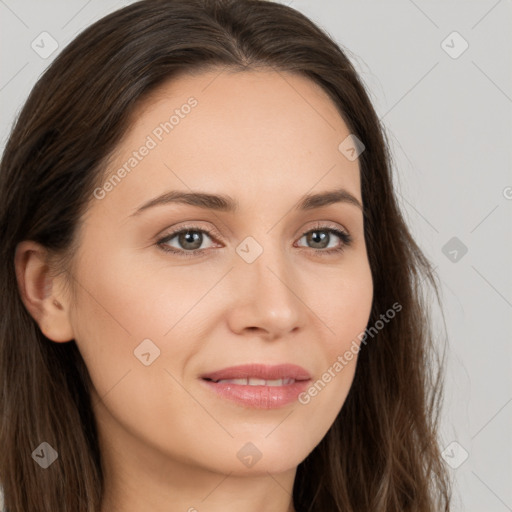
{"points": [[259, 371]]}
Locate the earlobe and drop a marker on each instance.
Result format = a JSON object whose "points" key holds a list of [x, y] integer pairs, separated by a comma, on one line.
{"points": [[39, 292]]}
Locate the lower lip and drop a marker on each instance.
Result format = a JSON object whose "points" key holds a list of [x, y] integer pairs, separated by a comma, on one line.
{"points": [[259, 397]]}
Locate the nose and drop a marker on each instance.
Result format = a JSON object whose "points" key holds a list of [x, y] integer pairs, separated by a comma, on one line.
{"points": [[266, 297]]}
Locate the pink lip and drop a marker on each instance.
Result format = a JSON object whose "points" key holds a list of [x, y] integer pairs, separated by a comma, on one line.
{"points": [[259, 397], [260, 371]]}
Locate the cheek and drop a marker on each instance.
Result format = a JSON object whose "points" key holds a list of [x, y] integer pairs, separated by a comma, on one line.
{"points": [[117, 312], [345, 305], [123, 299], [121, 304], [114, 313]]}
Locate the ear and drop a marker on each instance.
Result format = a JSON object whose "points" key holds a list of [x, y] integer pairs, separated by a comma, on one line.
{"points": [[41, 293]]}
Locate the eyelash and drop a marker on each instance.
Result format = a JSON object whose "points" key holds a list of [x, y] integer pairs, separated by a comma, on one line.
{"points": [[343, 235]]}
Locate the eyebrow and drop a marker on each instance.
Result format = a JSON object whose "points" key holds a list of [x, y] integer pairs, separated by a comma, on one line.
{"points": [[224, 203]]}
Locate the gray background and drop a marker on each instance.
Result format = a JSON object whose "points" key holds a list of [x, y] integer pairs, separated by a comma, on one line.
{"points": [[449, 121]]}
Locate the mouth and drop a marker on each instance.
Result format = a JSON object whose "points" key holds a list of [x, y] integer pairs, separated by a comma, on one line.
{"points": [[254, 373], [259, 386], [253, 381]]}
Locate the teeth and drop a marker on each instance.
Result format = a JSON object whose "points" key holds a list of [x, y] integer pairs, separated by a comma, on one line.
{"points": [[261, 382], [242, 382], [258, 382]]}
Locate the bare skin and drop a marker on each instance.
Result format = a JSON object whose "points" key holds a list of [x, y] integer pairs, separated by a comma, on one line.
{"points": [[169, 443]]}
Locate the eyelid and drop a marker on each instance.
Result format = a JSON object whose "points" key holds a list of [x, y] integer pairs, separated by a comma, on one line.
{"points": [[329, 226], [325, 224], [191, 226]]}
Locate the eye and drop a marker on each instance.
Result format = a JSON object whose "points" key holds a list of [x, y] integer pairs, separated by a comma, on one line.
{"points": [[321, 236], [190, 239]]}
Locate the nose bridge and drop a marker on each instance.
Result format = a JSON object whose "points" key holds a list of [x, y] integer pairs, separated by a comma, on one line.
{"points": [[271, 273], [265, 263]]}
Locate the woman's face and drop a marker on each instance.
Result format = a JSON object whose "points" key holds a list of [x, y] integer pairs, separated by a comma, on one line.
{"points": [[261, 283]]}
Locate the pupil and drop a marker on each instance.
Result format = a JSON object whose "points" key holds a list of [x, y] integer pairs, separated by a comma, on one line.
{"points": [[319, 237], [191, 237]]}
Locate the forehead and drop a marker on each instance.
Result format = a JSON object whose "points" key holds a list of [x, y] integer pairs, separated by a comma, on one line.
{"points": [[258, 131]]}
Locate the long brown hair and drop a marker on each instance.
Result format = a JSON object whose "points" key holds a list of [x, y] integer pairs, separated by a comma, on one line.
{"points": [[382, 453]]}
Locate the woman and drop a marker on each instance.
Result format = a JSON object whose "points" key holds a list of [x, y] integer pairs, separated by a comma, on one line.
{"points": [[211, 299]]}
